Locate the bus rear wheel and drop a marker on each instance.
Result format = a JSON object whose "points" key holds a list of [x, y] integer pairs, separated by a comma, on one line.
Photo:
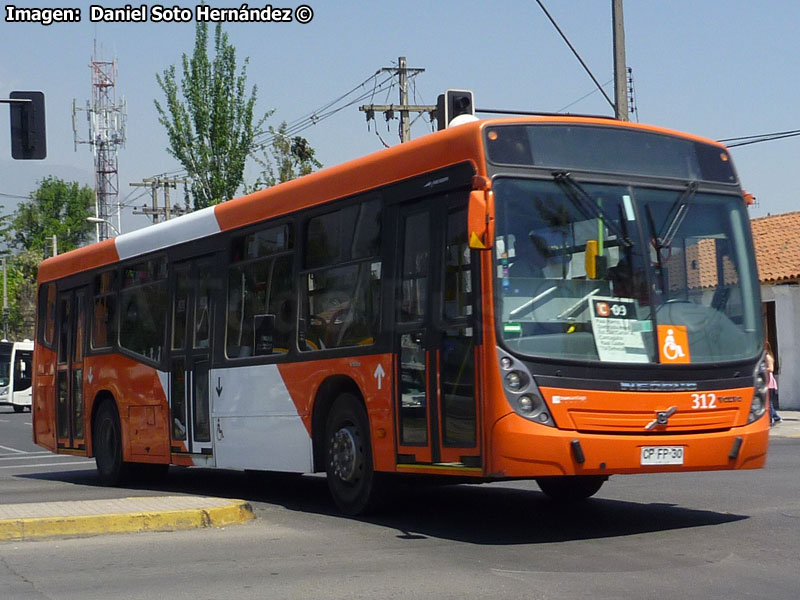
{"points": [[107, 444], [571, 488], [18, 408], [348, 456]]}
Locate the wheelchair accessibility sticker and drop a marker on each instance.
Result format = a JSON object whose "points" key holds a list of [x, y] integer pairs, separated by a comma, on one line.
{"points": [[673, 344]]}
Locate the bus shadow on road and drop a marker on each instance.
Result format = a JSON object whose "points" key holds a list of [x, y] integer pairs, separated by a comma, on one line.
{"points": [[479, 514], [500, 515]]}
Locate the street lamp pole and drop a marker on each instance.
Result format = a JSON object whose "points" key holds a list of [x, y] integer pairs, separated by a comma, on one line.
{"points": [[99, 221]]}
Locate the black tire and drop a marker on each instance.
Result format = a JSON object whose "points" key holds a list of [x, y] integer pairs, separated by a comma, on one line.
{"points": [[18, 408], [348, 457], [571, 488], [107, 445]]}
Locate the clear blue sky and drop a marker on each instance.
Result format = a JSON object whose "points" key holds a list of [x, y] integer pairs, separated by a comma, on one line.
{"points": [[716, 68]]}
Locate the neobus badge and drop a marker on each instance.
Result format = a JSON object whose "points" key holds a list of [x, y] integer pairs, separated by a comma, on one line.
{"points": [[560, 399]]}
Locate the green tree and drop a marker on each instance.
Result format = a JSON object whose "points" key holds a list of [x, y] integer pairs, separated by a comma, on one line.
{"points": [[57, 208], [286, 158], [211, 129], [21, 272]]}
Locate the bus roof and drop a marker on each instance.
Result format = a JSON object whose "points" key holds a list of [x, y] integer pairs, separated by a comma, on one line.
{"points": [[424, 154]]}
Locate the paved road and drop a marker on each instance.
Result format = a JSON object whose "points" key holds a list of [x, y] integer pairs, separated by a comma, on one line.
{"points": [[27, 513], [714, 536]]}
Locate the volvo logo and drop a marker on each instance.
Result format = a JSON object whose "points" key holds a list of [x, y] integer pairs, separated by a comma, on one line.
{"points": [[662, 418]]}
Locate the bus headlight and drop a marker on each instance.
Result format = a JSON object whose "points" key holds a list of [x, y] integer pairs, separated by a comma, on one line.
{"points": [[521, 391], [526, 404], [514, 381], [759, 404]]}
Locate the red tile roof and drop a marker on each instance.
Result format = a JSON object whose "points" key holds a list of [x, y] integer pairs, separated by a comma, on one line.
{"points": [[777, 242]]}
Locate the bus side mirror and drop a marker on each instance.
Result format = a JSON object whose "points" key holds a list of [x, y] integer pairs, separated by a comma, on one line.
{"points": [[480, 219]]}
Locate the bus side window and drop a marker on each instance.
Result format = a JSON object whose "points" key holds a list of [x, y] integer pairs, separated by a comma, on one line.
{"points": [[104, 313], [260, 309], [340, 303], [143, 304], [47, 313]]}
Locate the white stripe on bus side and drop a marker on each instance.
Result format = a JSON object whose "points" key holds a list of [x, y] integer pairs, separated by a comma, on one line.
{"points": [[189, 227], [255, 423]]}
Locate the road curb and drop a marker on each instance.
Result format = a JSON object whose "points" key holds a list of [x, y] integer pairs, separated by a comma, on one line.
{"points": [[209, 512]]}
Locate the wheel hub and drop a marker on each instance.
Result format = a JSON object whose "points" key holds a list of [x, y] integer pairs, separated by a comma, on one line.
{"points": [[344, 454]]}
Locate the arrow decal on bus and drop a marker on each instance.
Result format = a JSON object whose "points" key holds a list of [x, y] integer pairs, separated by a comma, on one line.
{"points": [[379, 374]]}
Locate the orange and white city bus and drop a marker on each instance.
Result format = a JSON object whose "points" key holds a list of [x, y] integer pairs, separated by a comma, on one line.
{"points": [[557, 298]]}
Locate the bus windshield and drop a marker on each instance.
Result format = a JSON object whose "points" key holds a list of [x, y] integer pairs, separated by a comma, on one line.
{"points": [[619, 273]]}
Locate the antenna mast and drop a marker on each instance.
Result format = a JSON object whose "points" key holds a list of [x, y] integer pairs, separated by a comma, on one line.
{"points": [[106, 134]]}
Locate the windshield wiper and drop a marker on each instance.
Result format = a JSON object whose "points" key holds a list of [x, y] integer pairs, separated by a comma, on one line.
{"points": [[672, 223], [584, 202], [675, 217]]}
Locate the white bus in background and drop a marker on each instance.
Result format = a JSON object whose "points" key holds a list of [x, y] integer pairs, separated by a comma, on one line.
{"points": [[16, 374]]}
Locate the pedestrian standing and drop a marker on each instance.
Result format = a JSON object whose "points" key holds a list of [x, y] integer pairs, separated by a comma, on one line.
{"points": [[772, 387]]}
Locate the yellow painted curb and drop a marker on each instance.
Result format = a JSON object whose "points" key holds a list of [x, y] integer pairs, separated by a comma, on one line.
{"points": [[238, 511]]}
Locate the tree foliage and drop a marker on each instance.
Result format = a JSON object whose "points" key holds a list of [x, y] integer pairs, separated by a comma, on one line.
{"points": [[209, 118], [57, 208], [21, 272], [286, 158]]}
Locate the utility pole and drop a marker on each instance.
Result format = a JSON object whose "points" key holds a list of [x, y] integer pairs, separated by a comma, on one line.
{"points": [[620, 69], [5, 303], [167, 211], [404, 108]]}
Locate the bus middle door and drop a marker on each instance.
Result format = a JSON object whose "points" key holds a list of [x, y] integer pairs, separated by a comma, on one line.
{"points": [[190, 355]]}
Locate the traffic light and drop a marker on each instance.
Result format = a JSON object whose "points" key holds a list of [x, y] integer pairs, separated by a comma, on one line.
{"points": [[28, 139], [452, 104]]}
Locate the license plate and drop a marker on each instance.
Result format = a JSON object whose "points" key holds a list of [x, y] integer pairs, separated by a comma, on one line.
{"points": [[662, 455]]}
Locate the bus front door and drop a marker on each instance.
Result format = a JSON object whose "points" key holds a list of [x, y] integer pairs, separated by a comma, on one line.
{"points": [[435, 340], [190, 352], [71, 328]]}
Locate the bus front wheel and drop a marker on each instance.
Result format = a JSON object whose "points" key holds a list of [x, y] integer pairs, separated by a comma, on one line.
{"points": [[348, 456], [107, 444], [571, 488]]}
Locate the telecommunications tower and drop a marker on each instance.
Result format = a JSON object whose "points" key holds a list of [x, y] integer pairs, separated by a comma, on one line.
{"points": [[106, 134]]}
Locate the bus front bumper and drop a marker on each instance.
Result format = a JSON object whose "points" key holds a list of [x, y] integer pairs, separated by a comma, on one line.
{"points": [[521, 448]]}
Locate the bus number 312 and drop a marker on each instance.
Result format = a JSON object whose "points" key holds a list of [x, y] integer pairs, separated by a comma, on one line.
{"points": [[702, 401]]}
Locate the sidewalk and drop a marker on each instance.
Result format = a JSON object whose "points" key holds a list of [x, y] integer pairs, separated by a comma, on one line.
{"points": [[789, 426], [93, 517]]}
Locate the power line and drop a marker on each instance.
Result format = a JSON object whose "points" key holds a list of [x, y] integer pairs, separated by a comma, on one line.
{"points": [[757, 139], [354, 96], [14, 196], [562, 109], [575, 52]]}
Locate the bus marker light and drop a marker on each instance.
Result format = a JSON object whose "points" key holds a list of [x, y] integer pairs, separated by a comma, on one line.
{"points": [[526, 404]]}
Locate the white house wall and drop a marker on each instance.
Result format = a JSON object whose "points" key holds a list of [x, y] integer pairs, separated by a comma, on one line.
{"points": [[787, 324]]}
